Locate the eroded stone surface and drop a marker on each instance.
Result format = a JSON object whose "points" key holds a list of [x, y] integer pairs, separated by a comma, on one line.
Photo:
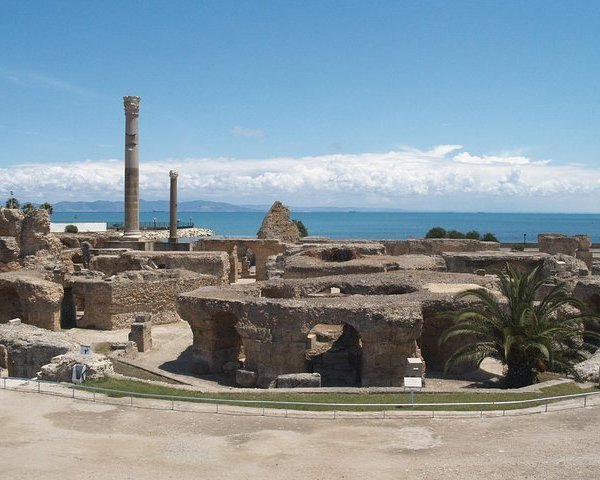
{"points": [[28, 348], [60, 368], [272, 320], [278, 225], [27, 295]]}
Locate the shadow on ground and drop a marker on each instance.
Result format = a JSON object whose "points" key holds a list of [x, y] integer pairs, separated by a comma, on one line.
{"points": [[184, 365]]}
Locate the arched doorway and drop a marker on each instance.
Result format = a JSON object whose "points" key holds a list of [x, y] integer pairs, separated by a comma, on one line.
{"points": [[227, 347], [11, 304], [335, 352]]}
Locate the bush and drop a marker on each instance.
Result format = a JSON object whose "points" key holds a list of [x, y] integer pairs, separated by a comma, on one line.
{"points": [[489, 237], [473, 235], [455, 234], [518, 248], [301, 228], [436, 232], [71, 229]]}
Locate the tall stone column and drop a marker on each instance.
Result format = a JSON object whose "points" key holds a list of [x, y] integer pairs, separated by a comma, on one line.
{"points": [[173, 207], [132, 169]]}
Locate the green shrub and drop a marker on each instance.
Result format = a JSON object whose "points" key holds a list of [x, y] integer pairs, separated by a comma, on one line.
{"points": [[71, 229], [473, 235], [301, 228], [455, 234], [489, 237], [436, 232]]}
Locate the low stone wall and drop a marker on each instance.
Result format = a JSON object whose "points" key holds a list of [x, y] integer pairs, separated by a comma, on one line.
{"points": [[436, 246], [27, 348], [24, 295], [105, 305], [206, 263], [262, 249], [491, 262]]}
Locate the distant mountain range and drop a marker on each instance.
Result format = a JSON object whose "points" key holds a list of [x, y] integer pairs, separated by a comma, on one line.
{"points": [[195, 206], [151, 206]]}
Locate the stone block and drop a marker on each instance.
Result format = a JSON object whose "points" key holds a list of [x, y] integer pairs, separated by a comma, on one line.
{"points": [[299, 380], [246, 378], [141, 333]]}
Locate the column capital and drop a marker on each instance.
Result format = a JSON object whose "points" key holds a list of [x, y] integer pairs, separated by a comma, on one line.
{"points": [[173, 174], [132, 105]]}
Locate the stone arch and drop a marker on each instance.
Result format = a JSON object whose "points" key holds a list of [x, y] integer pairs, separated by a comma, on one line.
{"points": [[225, 343], [335, 352], [11, 304]]}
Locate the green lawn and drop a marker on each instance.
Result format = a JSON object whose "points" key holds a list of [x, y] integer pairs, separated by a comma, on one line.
{"points": [[144, 388]]}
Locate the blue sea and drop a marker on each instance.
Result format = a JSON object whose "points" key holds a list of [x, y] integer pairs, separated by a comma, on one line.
{"points": [[508, 227]]}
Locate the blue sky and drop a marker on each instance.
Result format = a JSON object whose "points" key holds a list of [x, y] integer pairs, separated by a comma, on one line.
{"points": [[452, 105]]}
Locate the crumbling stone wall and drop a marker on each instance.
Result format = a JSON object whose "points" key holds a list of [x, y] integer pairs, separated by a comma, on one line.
{"points": [[577, 246], [277, 225], [436, 246], [23, 235], [263, 249], [270, 321], [206, 263], [491, 262], [36, 301], [107, 304], [28, 348]]}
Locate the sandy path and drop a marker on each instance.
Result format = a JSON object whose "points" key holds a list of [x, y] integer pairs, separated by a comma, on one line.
{"points": [[60, 438]]}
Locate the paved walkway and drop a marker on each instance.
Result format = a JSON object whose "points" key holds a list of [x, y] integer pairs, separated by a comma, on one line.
{"points": [[53, 437]]}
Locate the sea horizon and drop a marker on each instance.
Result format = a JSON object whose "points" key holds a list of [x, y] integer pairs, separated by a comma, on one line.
{"points": [[382, 225]]}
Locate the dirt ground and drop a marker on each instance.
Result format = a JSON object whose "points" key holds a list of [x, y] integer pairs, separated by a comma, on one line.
{"points": [[59, 438]]}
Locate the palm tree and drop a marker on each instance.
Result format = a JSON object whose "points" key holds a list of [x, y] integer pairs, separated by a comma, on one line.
{"points": [[28, 207], [527, 335], [48, 207], [12, 202]]}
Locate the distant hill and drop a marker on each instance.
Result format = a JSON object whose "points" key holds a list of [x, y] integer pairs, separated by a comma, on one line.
{"points": [[150, 206]]}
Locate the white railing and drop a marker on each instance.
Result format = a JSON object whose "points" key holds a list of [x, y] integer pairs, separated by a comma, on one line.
{"points": [[285, 408]]}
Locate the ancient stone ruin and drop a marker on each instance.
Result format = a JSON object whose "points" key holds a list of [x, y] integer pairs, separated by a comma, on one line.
{"points": [[277, 225]]}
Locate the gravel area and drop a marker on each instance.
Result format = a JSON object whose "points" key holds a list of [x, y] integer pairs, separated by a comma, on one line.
{"points": [[61, 438]]}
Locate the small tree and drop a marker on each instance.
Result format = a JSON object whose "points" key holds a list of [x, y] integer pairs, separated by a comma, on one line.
{"points": [[436, 232], [473, 235], [48, 207], [489, 237], [455, 234], [71, 229], [28, 207], [301, 228], [525, 334], [12, 202]]}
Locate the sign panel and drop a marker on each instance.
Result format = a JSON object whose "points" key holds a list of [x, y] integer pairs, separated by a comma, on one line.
{"points": [[413, 382]]}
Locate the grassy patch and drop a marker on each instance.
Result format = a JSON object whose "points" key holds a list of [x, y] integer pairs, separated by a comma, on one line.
{"points": [[355, 399]]}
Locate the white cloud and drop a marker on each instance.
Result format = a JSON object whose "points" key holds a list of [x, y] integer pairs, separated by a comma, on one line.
{"points": [[247, 132], [407, 178]]}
